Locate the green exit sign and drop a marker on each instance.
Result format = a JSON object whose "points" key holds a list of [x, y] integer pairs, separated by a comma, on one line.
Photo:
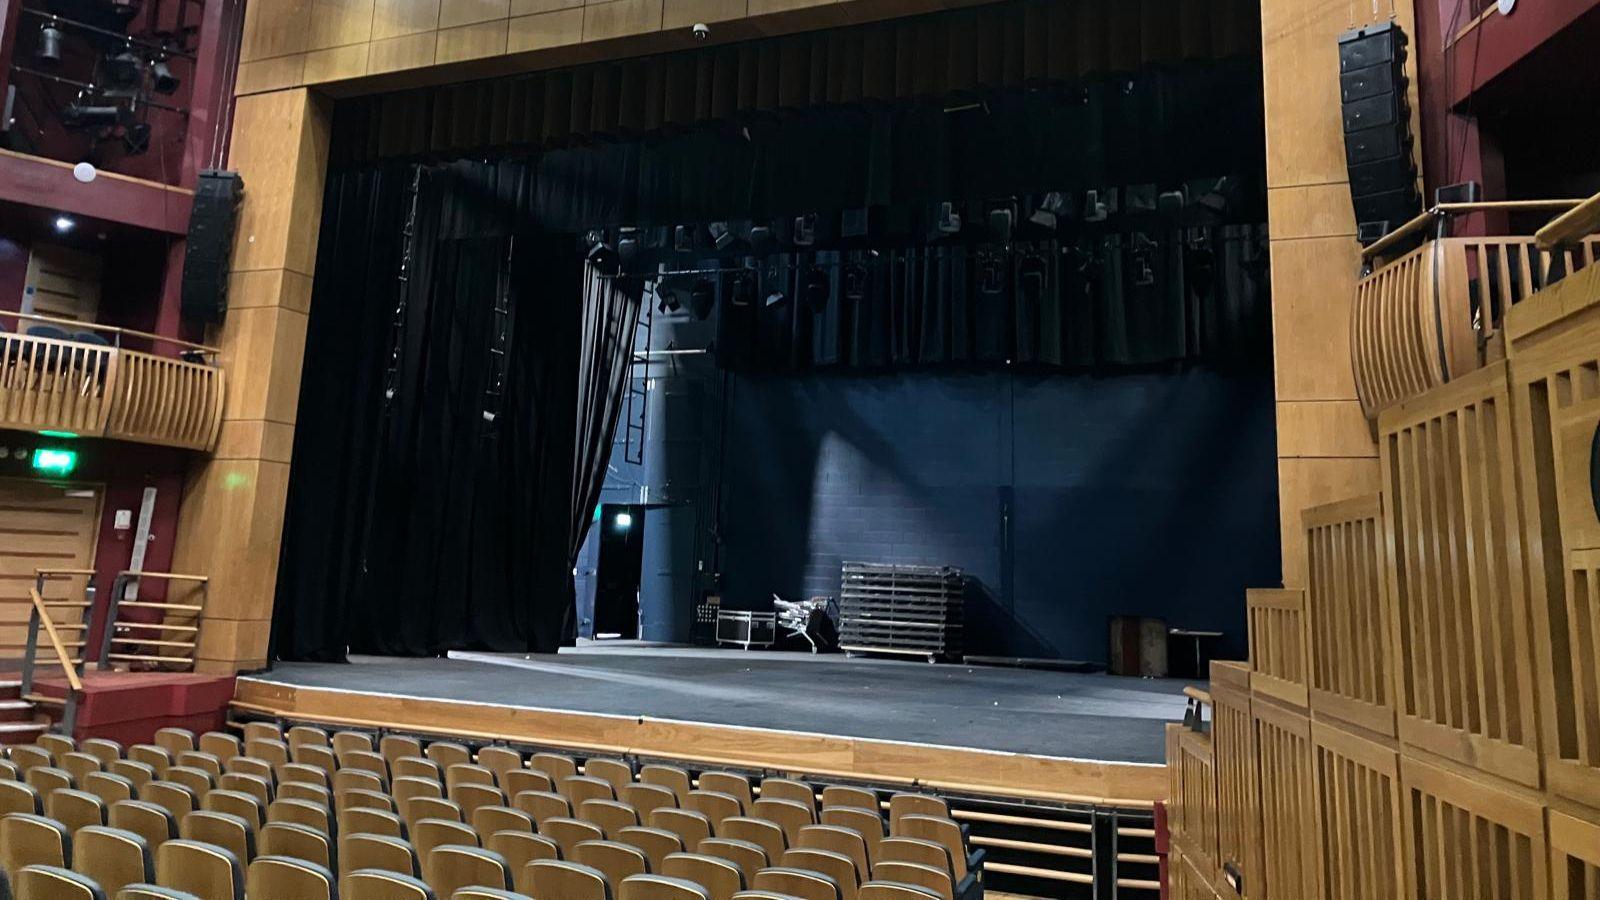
{"points": [[54, 462]]}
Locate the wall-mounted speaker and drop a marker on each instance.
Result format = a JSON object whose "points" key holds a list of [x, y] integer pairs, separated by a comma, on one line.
{"points": [[1377, 128], [205, 265]]}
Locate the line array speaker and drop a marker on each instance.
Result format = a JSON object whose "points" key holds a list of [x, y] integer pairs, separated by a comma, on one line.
{"points": [[1377, 129], [205, 265]]}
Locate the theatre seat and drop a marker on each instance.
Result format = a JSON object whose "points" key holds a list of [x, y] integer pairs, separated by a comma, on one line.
{"points": [[109, 787], [257, 786], [297, 841], [170, 796], [749, 857], [657, 844], [647, 798], [175, 740], [302, 812], [306, 735], [236, 803], [714, 805], [456, 866], [854, 797], [720, 877], [229, 832], [407, 787], [348, 779], [615, 861], [569, 833], [579, 788], [487, 893], [371, 884], [934, 880], [889, 890], [16, 797], [138, 773], [8, 770], [843, 841], [767, 835], [567, 881], [223, 746], [54, 883], [47, 779], [500, 760], [295, 771], [788, 814], [149, 821], [271, 877], [691, 827], [486, 820], [448, 753], [471, 797], [357, 797], [867, 824], [78, 764], [26, 756], [266, 731], [429, 834], [904, 804], [105, 749], [836, 866], [197, 781], [797, 883], [363, 820], [344, 742], [466, 773], [30, 840], [613, 771], [274, 753], [114, 858], [418, 808], [153, 892], [730, 783], [209, 763], [206, 871], [661, 887], [377, 851], [367, 761], [520, 848], [515, 781], [416, 767], [948, 834], [610, 815], [792, 790], [56, 744], [557, 765], [672, 778]]}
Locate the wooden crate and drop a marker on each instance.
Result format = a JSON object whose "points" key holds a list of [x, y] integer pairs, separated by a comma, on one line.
{"points": [[1238, 782], [1574, 857], [1289, 821], [1465, 678], [1358, 796], [1277, 624], [1348, 615], [1469, 837], [1555, 367]]}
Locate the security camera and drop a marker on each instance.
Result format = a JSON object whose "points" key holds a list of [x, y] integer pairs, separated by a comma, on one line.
{"points": [[701, 31]]}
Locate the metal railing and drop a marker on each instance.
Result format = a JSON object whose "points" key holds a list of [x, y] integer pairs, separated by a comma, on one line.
{"points": [[67, 653], [173, 640]]}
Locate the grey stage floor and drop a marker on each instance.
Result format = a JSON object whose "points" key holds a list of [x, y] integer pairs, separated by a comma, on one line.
{"points": [[1048, 713]]}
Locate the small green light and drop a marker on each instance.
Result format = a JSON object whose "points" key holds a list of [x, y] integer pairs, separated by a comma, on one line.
{"points": [[54, 462], [63, 435]]}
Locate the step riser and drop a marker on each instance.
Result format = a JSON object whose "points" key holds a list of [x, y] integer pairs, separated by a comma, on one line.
{"points": [[18, 735], [10, 690], [21, 712]]}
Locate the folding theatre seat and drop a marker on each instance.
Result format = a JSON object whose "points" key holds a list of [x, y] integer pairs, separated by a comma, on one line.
{"points": [[47, 779], [234, 803], [306, 735], [223, 746], [615, 861], [487, 820], [365, 820], [903, 804], [272, 752], [867, 824], [515, 781], [610, 815], [107, 750], [730, 783], [9, 770], [137, 773], [271, 877], [836, 866], [853, 797], [579, 788], [348, 779], [430, 834], [229, 832], [54, 883], [108, 787], [371, 884], [297, 841], [416, 767], [151, 822], [944, 831], [542, 805], [767, 835], [259, 787], [366, 761], [929, 878], [656, 843], [16, 797], [199, 759], [377, 851], [418, 808], [500, 760], [344, 742], [520, 848], [466, 773], [394, 746], [26, 756], [613, 771], [797, 883], [567, 880], [569, 833], [792, 790], [198, 781], [293, 771], [75, 809], [889, 890], [556, 765], [721, 878], [208, 872], [647, 798], [250, 765], [787, 814], [475, 892], [661, 887], [843, 841], [170, 796], [114, 858], [672, 778], [175, 740], [30, 840], [714, 805], [79, 764], [448, 753], [56, 744], [454, 866], [361, 797], [750, 858], [687, 824], [262, 731]]}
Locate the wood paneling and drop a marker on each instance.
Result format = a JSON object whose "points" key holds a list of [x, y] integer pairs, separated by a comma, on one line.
{"points": [[1349, 614], [1290, 836], [1555, 366], [1358, 795], [1464, 684], [1238, 781], [1469, 836], [43, 526], [1574, 857], [1278, 657], [55, 385], [1307, 482]]}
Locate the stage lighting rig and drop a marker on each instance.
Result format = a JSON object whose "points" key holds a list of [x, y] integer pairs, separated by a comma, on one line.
{"points": [[48, 52], [603, 256], [123, 67], [162, 81], [817, 289]]}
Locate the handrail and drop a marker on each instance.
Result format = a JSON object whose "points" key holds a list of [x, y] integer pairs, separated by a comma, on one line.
{"points": [[1570, 227], [191, 611], [43, 616], [1198, 695], [1422, 220], [114, 330]]}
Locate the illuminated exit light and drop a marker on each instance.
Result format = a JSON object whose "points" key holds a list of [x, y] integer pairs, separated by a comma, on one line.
{"points": [[624, 521], [54, 462], [60, 435]]}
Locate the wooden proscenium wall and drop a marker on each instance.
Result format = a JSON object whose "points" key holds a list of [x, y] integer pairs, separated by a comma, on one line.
{"points": [[1326, 450], [296, 54]]}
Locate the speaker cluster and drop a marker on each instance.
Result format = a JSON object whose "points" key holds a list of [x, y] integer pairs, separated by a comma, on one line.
{"points": [[1378, 139]]}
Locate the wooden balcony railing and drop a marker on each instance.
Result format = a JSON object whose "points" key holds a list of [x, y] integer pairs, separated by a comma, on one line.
{"points": [[56, 383], [1429, 315]]}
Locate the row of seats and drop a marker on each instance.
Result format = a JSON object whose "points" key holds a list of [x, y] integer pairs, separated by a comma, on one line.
{"points": [[440, 813]]}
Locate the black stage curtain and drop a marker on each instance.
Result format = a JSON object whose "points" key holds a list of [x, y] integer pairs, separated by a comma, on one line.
{"points": [[998, 46], [430, 500]]}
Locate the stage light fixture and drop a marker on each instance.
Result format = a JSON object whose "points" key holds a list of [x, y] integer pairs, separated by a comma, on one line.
{"points": [[123, 67], [65, 224], [1048, 213], [721, 235], [744, 288], [602, 256], [816, 289], [80, 115], [49, 49], [775, 297], [136, 139], [702, 298], [1002, 221], [162, 80], [683, 238], [949, 221], [805, 230], [761, 239], [627, 246], [1031, 278]]}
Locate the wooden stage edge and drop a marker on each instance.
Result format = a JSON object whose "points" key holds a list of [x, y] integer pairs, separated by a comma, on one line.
{"points": [[955, 769]]}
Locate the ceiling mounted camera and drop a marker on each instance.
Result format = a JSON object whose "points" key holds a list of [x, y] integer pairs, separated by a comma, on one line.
{"points": [[702, 31]]}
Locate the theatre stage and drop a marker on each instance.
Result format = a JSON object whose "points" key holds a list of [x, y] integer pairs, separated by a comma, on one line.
{"points": [[1020, 732]]}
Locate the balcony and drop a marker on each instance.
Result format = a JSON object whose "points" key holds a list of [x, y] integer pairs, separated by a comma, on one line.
{"points": [[1431, 313], [58, 375]]}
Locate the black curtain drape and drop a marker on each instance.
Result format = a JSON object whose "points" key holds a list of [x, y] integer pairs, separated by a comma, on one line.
{"points": [[430, 499]]}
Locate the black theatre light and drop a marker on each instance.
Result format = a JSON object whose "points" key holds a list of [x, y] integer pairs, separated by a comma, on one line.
{"points": [[601, 255], [805, 230], [79, 114], [721, 235], [49, 49], [136, 139], [761, 239], [816, 289], [745, 288], [683, 238], [124, 67], [161, 78]]}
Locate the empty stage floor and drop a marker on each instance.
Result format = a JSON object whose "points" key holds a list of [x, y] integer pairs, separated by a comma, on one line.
{"points": [[1024, 711]]}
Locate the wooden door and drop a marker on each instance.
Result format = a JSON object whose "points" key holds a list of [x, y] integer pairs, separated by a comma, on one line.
{"points": [[43, 525]]}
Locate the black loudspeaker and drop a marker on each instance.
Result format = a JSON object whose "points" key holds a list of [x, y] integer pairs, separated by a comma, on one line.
{"points": [[1377, 128], [205, 265]]}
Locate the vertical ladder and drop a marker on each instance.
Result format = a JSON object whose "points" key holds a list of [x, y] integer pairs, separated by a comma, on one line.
{"points": [[633, 433]]}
